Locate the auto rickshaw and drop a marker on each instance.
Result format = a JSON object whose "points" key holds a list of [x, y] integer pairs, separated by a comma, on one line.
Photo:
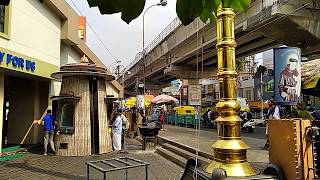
{"points": [[186, 116]]}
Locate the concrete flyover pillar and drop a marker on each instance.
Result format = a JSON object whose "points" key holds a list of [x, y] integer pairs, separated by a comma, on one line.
{"points": [[1, 106]]}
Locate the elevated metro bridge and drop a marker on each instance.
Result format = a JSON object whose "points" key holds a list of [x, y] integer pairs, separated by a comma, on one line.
{"points": [[180, 50]]}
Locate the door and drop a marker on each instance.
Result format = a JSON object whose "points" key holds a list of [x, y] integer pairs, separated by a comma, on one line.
{"points": [[94, 121], [6, 106]]}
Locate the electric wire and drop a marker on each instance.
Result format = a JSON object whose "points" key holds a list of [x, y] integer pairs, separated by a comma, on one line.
{"points": [[106, 49], [198, 114]]}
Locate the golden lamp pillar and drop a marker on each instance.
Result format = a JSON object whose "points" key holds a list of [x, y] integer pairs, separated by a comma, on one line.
{"points": [[230, 152]]}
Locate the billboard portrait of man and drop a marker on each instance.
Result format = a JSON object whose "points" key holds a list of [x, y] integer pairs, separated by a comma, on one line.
{"points": [[287, 66], [288, 81]]}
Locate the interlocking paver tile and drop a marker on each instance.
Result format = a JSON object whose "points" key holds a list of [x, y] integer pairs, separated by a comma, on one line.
{"points": [[39, 167]]}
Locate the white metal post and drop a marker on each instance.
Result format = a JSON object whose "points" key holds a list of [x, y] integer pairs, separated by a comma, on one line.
{"points": [[261, 81]]}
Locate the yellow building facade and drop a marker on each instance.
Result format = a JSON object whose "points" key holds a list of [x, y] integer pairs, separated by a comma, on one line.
{"points": [[36, 38]]}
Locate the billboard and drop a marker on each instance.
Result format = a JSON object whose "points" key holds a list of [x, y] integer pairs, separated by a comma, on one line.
{"points": [[140, 101], [287, 75], [82, 28], [194, 95]]}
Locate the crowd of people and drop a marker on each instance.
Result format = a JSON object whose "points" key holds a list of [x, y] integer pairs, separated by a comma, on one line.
{"points": [[293, 111], [120, 123]]}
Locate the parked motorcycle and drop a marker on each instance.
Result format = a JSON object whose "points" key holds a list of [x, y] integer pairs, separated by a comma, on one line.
{"points": [[247, 123], [208, 122], [248, 126]]}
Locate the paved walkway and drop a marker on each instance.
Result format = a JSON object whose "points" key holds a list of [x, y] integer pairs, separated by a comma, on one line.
{"points": [[39, 167], [187, 136]]}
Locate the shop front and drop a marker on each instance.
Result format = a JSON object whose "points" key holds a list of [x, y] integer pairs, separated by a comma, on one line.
{"points": [[25, 85]]}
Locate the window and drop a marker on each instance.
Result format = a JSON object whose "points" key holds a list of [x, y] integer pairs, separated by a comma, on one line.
{"points": [[67, 115], [248, 94], [2, 17], [4, 21]]}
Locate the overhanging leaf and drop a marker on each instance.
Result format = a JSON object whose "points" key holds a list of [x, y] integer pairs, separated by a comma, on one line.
{"points": [[240, 5], [188, 10], [130, 9], [106, 6], [237, 5], [227, 3], [210, 8], [206, 14], [212, 5], [92, 3]]}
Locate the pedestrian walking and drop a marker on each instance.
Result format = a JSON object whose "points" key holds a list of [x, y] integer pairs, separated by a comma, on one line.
{"points": [[303, 113], [294, 112], [314, 113], [125, 127], [163, 117], [316, 123], [274, 112], [49, 122], [117, 132]]}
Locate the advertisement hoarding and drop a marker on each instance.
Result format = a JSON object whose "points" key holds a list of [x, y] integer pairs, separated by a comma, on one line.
{"points": [[194, 95], [140, 101], [287, 75]]}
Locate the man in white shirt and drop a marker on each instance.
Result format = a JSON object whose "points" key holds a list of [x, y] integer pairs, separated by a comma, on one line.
{"points": [[273, 113], [117, 132], [276, 112]]}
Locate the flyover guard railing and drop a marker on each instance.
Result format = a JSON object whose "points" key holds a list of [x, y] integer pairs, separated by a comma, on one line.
{"points": [[266, 11], [164, 33]]}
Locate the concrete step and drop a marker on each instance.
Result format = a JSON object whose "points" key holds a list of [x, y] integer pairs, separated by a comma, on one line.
{"points": [[184, 153], [180, 156], [162, 140], [179, 160]]}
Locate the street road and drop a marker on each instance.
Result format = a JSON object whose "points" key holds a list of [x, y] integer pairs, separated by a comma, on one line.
{"points": [[207, 137]]}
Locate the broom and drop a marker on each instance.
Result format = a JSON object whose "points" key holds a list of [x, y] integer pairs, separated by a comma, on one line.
{"points": [[32, 124]]}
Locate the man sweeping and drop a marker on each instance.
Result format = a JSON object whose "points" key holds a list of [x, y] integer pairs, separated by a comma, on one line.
{"points": [[49, 122]]}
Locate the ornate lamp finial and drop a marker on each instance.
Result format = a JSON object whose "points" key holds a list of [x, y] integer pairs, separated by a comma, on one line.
{"points": [[84, 59]]}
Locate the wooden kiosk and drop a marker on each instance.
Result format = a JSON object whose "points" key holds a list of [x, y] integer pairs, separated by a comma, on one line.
{"points": [[291, 147], [81, 110]]}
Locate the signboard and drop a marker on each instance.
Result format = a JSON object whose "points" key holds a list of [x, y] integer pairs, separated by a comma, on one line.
{"points": [[185, 91], [140, 101], [287, 75], [174, 89], [194, 95], [21, 63], [208, 81], [82, 28], [269, 86]]}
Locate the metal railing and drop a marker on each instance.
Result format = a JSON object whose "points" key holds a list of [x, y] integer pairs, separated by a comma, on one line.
{"points": [[266, 11], [164, 33]]}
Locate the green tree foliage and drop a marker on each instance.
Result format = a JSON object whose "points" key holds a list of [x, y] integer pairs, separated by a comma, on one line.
{"points": [[240, 64], [261, 70], [187, 10]]}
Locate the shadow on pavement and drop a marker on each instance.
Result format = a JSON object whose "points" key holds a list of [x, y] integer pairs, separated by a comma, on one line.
{"points": [[25, 166]]}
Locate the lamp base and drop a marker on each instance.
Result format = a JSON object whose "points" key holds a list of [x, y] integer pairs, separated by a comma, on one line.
{"points": [[233, 169]]}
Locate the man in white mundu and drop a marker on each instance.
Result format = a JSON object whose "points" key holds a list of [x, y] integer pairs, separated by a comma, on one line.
{"points": [[117, 132]]}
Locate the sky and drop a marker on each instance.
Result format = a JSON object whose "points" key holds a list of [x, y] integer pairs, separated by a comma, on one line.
{"points": [[123, 41]]}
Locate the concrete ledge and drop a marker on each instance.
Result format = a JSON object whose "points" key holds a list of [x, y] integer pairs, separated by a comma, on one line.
{"points": [[161, 140], [180, 161]]}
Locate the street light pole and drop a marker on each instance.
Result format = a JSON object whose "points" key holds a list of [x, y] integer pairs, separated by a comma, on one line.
{"points": [[261, 81], [161, 3]]}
